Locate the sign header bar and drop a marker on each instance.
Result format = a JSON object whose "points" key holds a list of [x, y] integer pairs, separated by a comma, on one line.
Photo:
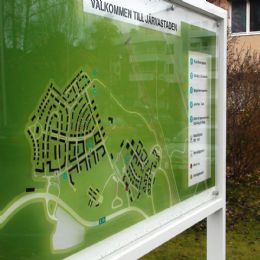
{"points": [[145, 14]]}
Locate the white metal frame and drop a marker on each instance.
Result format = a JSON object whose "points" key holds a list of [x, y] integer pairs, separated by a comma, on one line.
{"points": [[211, 204]]}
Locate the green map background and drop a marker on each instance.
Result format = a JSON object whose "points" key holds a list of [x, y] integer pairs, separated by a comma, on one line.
{"points": [[52, 40]]}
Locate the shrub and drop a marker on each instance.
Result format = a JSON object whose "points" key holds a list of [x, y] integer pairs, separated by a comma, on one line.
{"points": [[243, 112]]}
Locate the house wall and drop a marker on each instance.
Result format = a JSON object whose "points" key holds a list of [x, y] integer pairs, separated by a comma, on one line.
{"points": [[249, 41], [221, 3]]}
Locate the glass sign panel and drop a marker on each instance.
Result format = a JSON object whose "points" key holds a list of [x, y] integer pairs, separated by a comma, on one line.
{"points": [[107, 117]]}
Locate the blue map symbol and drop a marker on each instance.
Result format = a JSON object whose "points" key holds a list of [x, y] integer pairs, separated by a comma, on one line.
{"points": [[102, 220], [65, 176], [94, 91], [94, 72], [89, 143], [126, 158]]}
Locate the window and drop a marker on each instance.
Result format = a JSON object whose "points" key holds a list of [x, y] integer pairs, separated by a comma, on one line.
{"points": [[254, 15], [245, 16], [238, 16]]}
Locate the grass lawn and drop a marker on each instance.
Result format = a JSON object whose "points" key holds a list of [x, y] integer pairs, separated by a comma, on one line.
{"points": [[243, 230], [242, 243]]}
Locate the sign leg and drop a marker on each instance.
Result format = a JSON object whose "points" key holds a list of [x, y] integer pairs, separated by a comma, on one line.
{"points": [[216, 235]]}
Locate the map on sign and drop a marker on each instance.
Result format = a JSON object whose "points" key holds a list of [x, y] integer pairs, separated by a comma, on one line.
{"points": [[79, 149], [106, 122]]}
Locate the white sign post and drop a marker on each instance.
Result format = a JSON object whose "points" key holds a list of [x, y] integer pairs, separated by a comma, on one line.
{"points": [[143, 237]]}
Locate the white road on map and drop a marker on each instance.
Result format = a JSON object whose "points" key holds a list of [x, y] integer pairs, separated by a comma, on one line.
{"points": [[19, 203]]}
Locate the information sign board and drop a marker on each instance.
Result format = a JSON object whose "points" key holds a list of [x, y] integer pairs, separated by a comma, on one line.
{"points": [[108, 118]]}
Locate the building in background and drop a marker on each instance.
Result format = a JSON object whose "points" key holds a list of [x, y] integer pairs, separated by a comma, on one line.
{"points": [[243, 21]]}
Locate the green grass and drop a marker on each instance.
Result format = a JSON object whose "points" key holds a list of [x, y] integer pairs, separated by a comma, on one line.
{"points": [[243, 228], [242, 243]]}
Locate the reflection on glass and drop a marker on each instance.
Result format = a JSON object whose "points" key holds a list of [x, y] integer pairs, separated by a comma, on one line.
{"points": [[238, 16], [97, 123]]}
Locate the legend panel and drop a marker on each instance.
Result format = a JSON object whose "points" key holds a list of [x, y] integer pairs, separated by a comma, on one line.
{"points": [[199, 103]]}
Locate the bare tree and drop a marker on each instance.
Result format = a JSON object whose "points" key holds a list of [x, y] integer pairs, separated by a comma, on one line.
{"points": [[243, 104]]}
